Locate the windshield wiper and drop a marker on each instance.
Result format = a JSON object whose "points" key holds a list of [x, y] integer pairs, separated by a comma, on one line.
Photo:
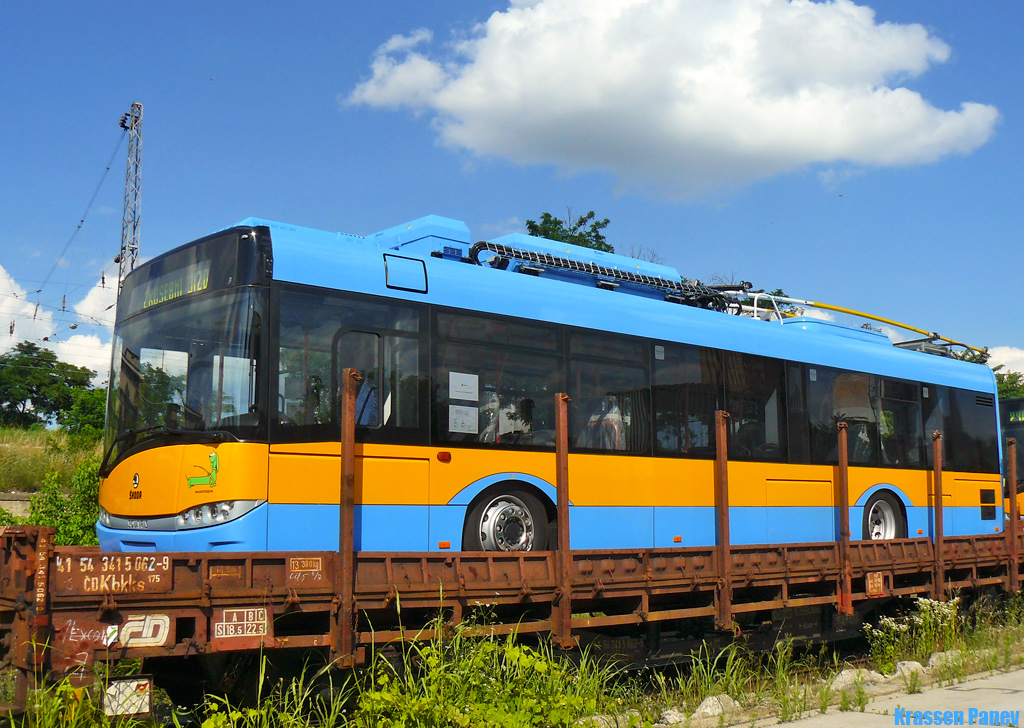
{"points": [[158, 430]]}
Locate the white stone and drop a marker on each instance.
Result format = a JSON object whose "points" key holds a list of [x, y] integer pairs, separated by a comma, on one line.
{"points": [[849, 677], [908, 667], [630, 719], [715, 705], [672, 716]]}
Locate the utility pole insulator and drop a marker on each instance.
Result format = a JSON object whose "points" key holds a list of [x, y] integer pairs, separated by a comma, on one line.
{"points": [[129, 255]]}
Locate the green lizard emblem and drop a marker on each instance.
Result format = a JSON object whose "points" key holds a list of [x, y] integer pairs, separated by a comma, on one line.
{"points": [[211, 478]]}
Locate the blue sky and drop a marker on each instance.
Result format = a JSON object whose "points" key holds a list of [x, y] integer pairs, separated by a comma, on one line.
{"points": [[816, 148]]}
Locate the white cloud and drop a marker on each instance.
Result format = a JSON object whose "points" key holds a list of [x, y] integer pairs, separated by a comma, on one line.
{"points": [[501, 227], [1010, 357], [817, 313], [686, 95], [38, 325], [85, 350], [30, 322], [98, 306]]}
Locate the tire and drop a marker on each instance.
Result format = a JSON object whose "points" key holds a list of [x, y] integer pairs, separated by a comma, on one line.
{"points": [[511, 521], [883, 518]]}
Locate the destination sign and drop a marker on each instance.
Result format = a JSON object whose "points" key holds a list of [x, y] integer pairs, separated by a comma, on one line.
{"points": [[182, 282]]}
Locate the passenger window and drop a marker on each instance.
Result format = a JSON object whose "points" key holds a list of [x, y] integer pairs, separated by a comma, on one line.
{"points": [[687, 392], [754, 398], [610, 408], [319, 335], [494, 396], [900, 427], [970, 437], [835, 396]]}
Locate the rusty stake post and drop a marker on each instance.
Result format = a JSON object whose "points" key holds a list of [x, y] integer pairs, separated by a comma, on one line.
{"points": [[345, 637], [842, 499], [1014, 526], [561, 616], [724, 617], [939, 585]]}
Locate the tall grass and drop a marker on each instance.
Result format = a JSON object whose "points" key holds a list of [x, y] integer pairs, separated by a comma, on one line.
{"points": [[983, 636], [26, 456], [471, 678]]}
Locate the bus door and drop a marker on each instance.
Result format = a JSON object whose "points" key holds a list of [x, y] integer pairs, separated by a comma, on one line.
{"points": [[392, 477]]}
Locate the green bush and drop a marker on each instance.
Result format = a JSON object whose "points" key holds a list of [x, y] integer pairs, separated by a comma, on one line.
{"points": [[72, 510]]}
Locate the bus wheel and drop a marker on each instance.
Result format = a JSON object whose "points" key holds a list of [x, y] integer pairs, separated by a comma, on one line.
{"points": [[514, 521], [883, 518]]}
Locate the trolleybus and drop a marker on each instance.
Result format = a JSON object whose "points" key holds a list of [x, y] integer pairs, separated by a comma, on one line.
{"points": [[223, 424]]}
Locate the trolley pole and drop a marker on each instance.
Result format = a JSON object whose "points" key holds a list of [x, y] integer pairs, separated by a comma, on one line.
{"points": [[344, 642], [561, 616], [1014, 525], [723, 550], [939, 585], [842, 500]]}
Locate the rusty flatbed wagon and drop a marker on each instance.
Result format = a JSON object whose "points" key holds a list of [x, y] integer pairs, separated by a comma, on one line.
{"points": [[63, 610]]}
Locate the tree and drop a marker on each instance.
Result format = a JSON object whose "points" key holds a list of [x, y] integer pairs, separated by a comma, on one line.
{"points": [[88, 407], [573, 229], [1010, 384], [35, 386]]}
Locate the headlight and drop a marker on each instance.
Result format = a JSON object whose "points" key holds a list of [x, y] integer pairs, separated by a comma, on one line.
{"points": [[210, 514], [104, 516]]}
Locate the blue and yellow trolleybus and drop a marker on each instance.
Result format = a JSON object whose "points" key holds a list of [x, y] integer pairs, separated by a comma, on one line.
{"points": [[223, 425]]}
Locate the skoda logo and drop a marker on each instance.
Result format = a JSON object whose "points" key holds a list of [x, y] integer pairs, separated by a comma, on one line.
{"points": [[135, 480]]}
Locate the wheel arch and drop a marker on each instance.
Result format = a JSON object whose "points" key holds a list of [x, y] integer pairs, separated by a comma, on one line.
{"points": [[503, 482], [902, 497]]}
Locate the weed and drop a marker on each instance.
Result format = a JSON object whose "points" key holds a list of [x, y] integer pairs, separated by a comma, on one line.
{"points": [[932, 626], [860, 695], [844, 701], [912, 681], [824, 695]]}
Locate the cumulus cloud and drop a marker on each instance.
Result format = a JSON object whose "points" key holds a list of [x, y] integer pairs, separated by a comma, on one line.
{"points": [[1010, 357], [99, 303], [30, 322], [685, 95]]}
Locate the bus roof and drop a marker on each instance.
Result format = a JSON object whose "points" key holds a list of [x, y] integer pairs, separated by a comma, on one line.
{"points": [[427, 260]]}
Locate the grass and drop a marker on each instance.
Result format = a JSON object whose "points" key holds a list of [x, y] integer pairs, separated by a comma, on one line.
{"points": [[976, 638], [26, 456]]}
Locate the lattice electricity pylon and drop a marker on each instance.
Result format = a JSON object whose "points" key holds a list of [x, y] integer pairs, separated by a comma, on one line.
{"points": [[132, 122]]}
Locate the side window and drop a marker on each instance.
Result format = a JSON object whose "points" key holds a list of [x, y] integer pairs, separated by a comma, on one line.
{"points": [[495, 381], [494, 396], [610, 407], [900, 427], [970, 437], [835, 396], [686, 394], [754, 394], [320, 334]]}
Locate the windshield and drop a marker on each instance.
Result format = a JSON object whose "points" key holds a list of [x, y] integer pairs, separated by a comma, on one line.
{"points": [[188, 367]]}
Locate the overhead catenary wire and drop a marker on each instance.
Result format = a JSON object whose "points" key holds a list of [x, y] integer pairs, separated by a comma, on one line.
{"points": [[85, 214]]}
